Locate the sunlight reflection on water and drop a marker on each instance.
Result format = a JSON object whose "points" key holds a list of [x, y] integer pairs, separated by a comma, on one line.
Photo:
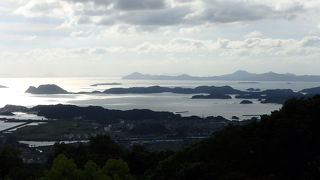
{"points": [[160, 102]]}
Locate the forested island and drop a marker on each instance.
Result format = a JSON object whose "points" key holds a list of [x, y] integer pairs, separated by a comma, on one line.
{"points": [[246, 102], [283, 145], [278, 96], [46, 89]]}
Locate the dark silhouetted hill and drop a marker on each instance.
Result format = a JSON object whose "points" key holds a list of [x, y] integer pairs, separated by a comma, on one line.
{"points": [[246, 102], [46, 89], [311, 91], [284, 145]]}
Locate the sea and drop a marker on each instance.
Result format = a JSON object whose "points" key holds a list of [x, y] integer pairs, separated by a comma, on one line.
{"points": [[177, 103]]}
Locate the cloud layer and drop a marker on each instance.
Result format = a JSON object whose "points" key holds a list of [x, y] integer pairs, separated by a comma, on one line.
{"points": [[164, 12], [129, 35]]}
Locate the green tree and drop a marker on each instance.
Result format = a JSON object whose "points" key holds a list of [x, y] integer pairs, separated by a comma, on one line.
{"points": [[102, 148], [117, 169], [9, 161], [283, 145], [93, 172], [62, 169]]}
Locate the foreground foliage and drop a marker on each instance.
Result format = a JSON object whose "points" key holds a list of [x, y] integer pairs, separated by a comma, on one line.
{"points": [[65, 169], [285, 145]]}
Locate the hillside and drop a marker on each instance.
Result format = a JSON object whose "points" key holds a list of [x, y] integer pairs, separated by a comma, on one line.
{"points": [[284, 145]]}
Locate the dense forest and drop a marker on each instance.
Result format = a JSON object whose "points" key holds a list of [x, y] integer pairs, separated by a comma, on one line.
{"points": [[283, 145]]}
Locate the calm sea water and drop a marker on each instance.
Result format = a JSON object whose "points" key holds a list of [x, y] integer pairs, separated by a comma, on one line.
{"points": [[158, 102]]}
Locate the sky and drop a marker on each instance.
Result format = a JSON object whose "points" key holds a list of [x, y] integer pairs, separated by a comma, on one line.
{"points": [[199, 37]]}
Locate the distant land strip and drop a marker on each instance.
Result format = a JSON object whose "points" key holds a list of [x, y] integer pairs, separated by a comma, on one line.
{"points": [[236, 76], [278, 96]]}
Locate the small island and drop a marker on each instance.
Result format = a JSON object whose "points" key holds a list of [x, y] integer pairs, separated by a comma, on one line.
{"points": [[278, 96], [253, 89], [1, 86], [248, 82], [212, 96], [46, 89], [246, 102], [106, 84], [235, 118]]}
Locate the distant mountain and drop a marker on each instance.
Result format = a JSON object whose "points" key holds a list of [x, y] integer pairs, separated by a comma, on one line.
{"points": [[3, 86], [137, 75], [236, 76]]}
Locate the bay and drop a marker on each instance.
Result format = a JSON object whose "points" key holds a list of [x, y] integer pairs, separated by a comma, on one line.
{"points": [[14, 94]]}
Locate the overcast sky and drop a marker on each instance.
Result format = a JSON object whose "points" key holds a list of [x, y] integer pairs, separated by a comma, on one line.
{"points": [[198, 37]]}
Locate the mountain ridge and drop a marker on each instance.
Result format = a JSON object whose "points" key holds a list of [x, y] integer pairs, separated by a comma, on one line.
{"points": [[240, 75]]}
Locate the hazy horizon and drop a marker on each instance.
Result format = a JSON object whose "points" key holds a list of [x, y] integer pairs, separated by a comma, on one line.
{"points": [[119, 76]]}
